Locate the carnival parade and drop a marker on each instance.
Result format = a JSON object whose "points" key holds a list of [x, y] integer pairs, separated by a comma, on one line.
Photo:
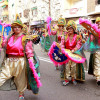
{"points": [[50, 50]]}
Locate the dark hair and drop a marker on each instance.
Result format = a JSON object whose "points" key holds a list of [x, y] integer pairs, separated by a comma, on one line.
{"points": [[75, 32]]}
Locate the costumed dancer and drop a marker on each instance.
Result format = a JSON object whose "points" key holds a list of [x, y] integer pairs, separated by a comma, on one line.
{"points": [[72, 42], [47, 38], [94, 62], [59, 31], [20, 67]]}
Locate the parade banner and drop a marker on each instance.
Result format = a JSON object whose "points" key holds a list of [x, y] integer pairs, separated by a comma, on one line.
{"points": [[61, 56], [5, 30], [72, 56], [56, 55]]}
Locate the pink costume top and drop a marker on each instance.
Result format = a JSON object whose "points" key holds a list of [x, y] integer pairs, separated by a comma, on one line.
{"points": [[71, 45], [16, 48]]}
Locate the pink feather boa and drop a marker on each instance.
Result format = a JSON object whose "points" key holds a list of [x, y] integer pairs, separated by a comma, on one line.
{"points": [[74, 60], [37, 79], [48, 20]]}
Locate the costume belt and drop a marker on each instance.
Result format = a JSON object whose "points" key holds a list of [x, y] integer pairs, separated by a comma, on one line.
{"points": [[14, 58]]}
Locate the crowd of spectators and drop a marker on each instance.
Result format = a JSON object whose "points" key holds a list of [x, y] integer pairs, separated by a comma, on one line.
{"points": [[37, 31], [83, 33]]}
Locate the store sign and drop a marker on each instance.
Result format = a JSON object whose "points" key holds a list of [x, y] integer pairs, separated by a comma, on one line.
{"points": [[73, 10]]}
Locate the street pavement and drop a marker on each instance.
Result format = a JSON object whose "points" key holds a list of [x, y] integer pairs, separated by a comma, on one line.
{"points": [[51, 85]]}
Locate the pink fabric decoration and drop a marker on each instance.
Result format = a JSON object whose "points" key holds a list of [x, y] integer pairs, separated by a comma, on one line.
{"points": [[37, 79], [29, 49], [49, 25], [53, 32], [5, 25]]}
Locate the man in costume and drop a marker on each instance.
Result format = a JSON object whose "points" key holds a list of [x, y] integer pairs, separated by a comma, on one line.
{"points": [[73, 42], [94, 67], [20, 64]]}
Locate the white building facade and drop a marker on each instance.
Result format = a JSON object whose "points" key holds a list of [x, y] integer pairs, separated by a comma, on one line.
{"points": [[35, 12]]}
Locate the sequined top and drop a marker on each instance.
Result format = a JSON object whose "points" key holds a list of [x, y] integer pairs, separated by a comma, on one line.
{"points": [[75, 43]]}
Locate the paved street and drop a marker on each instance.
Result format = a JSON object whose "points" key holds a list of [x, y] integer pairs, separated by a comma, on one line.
{"points": [[52, 88]]}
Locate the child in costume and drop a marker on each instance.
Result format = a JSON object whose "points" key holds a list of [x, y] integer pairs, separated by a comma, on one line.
{"points": [[59, 32], [20, 64], [73, 42]]}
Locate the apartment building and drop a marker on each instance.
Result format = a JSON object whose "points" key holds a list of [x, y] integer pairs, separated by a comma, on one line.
{"points": [[4, 11], [74, 9], [35, 12], [93, 9]]}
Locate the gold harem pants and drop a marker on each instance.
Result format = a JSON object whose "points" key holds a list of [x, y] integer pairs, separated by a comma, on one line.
{"points": [[97, 65], [68, 70], [71, 69], [14, 67]]}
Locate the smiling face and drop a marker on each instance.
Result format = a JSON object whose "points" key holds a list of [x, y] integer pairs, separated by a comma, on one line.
{"points": [[70, 30], [61, 27], [17, 29]]}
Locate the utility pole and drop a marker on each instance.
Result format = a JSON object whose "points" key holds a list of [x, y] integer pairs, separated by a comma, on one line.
{"points": [[49, 7]]}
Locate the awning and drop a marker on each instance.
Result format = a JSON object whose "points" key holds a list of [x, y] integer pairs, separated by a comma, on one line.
{"points": [[34, 8], [37, 22], [93, 13]]}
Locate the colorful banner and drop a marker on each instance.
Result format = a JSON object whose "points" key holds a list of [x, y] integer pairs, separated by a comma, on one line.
{"points": [[5, 30], [61, 56]]}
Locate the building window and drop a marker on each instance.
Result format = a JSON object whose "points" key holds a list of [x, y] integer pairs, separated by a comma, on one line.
{"points": [[34, 11], [13, 5], [26, 13]]}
